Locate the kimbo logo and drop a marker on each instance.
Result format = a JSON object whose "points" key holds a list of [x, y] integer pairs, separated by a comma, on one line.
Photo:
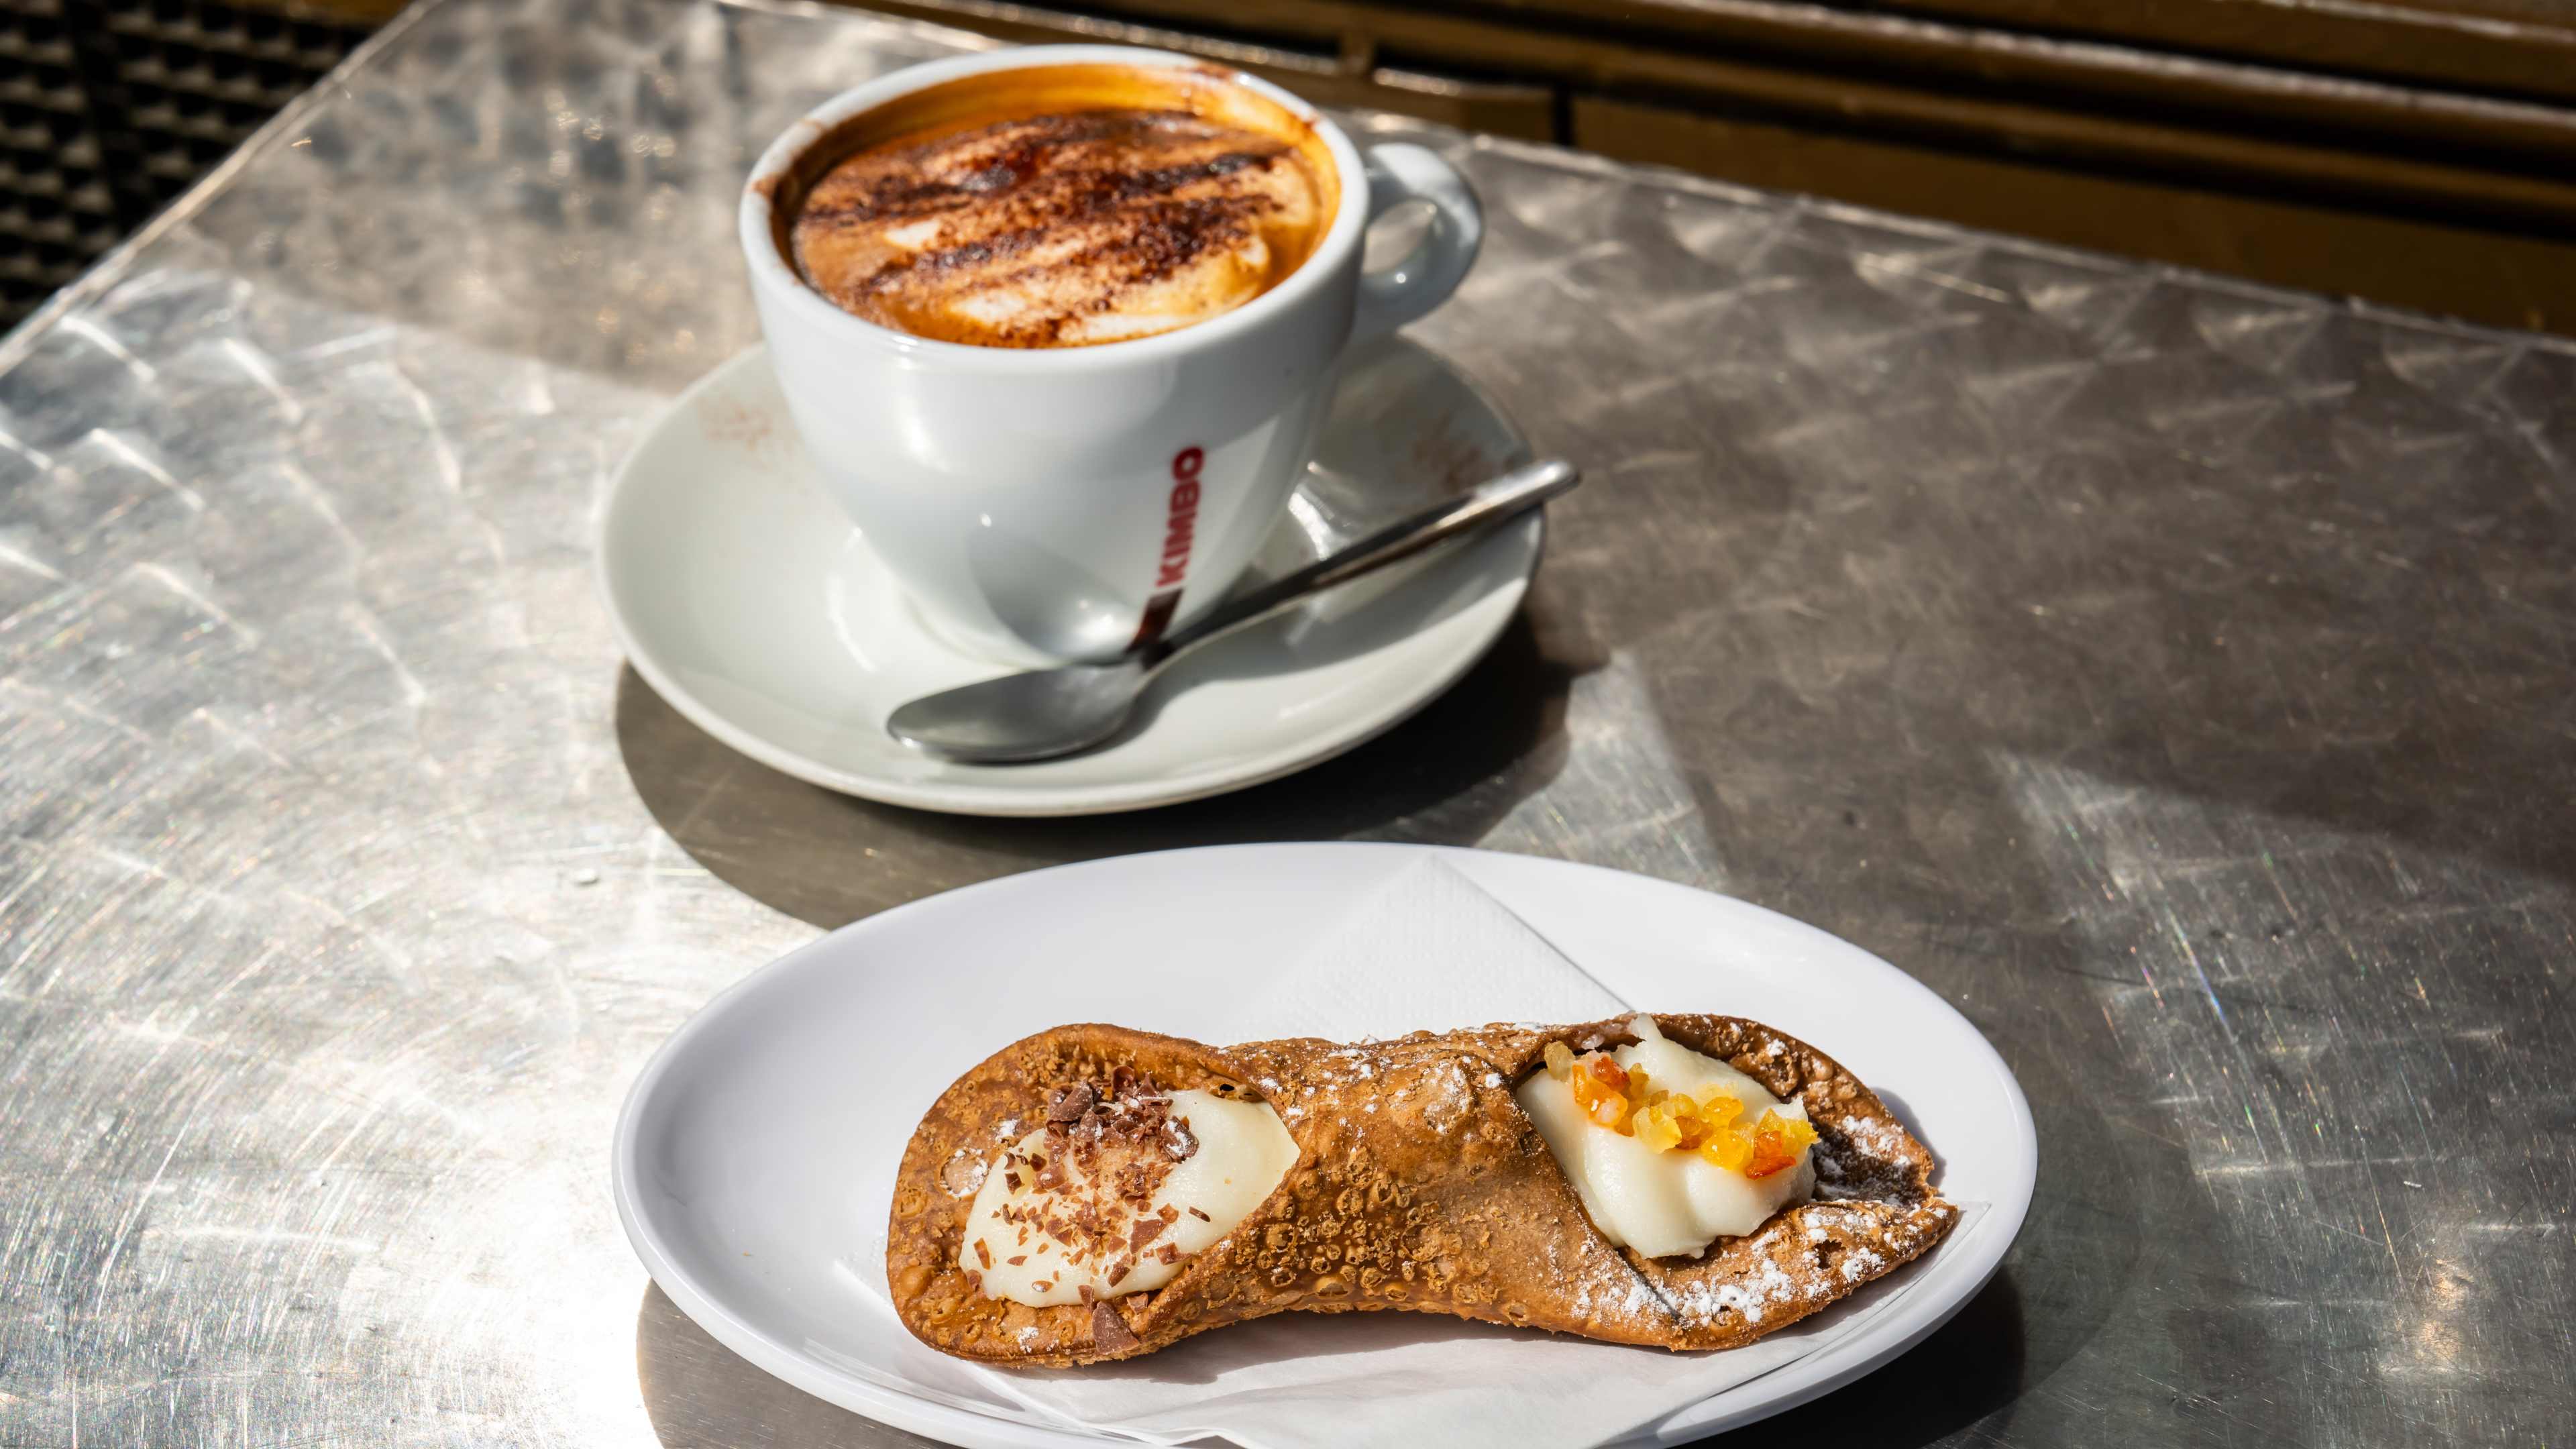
{"points": [[1179, 526]]}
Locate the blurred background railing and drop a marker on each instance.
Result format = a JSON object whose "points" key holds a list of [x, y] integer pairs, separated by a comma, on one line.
{"points": [[108, 109], [2420, 153]]}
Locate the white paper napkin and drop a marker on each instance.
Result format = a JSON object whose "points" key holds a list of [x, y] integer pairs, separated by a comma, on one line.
{"points": [[1428, 950]]}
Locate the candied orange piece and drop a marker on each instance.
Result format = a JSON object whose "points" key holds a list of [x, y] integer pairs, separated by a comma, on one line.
{"points": [[1690, 1129], [1560, 1059], [1777, 1141], [1656, 1129], [1719, 1106], [1610, 1112], [1682, 1112], [1599, 1102], [1728, 1147], [1601, 1090]]}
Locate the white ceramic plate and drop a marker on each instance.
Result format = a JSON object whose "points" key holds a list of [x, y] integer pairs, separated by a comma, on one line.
{"points": [[756, 1154], [751, 604]]}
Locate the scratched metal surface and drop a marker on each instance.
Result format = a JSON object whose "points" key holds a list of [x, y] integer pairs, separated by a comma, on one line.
{"points": [[2174, 675]]}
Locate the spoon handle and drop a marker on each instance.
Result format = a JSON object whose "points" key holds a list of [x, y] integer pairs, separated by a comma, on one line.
{"points": [[1486, 504]]}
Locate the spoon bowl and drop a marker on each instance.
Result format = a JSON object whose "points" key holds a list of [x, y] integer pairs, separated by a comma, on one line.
{"points": [[1036, 715]]}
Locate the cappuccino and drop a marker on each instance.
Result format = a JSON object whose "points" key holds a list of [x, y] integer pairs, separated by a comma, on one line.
{"points": [[1061, 206]]}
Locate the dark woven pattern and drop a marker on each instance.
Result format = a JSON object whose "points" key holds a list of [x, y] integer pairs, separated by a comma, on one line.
{"points": [[109, 108]]}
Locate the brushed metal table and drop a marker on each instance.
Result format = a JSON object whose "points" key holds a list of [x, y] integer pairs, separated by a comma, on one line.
{"points": [[2175, 675]]}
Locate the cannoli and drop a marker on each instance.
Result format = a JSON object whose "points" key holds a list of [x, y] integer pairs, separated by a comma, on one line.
{"points": [[1682, 1182]]}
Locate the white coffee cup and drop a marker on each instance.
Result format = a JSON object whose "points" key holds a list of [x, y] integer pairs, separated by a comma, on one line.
{"points": [[1057, 503]]}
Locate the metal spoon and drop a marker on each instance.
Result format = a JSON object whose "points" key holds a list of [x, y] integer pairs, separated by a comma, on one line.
{"points": [[1050, 712]]}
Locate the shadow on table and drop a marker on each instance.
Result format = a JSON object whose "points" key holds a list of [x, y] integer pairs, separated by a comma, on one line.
{"points": [[1444, 777], [1969, 1367], [701, 1395]]}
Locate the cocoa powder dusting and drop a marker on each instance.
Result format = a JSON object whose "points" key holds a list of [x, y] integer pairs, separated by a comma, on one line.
{"points": [[1060, 229]]}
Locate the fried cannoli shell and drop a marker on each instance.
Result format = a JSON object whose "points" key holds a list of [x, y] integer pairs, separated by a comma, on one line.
{"points": [[1443, 1198]]}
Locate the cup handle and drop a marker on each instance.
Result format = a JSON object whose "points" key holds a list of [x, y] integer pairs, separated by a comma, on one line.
{"points": [[1399, 172]]}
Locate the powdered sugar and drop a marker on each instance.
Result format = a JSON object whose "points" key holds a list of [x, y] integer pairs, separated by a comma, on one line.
{"points": [[1861, 1263], [963, 1173], [1873, 1136]]}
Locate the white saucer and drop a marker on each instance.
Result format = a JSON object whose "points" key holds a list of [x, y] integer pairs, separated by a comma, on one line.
{"points": [[751, 604], [755, 1157]]}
